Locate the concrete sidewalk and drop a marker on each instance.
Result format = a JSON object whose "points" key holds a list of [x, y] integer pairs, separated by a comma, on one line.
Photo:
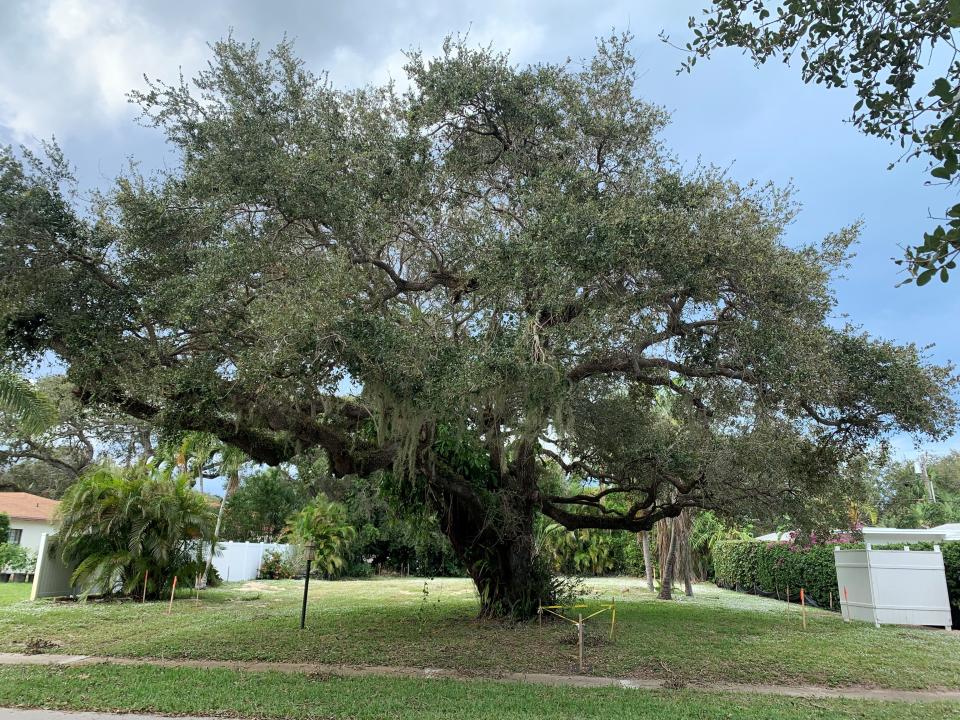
{"points": [[585, 681]]}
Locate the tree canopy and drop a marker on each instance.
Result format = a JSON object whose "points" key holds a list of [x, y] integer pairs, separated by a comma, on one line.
{"points": [[75, 436], [498, 268], [887, 50]]}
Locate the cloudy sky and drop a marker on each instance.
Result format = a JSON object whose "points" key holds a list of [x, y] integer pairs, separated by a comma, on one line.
{"points": [[66, 66]]}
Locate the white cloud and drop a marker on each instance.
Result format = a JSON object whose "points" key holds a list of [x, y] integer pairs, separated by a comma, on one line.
{"points": [[66, 66], [81, 60]]}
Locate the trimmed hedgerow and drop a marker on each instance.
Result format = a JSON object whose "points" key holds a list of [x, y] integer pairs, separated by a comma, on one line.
{"points": [[774, 568], [770, 568]]}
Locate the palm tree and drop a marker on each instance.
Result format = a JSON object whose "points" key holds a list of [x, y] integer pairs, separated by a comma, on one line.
{"points": [[324, 525], [195, 454], [31, 411], [231, 460], [644, 539], [126, 527]]}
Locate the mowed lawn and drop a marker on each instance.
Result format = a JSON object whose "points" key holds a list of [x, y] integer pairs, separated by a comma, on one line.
{"points": [[715, 636], [13, 593], [275, 695]]}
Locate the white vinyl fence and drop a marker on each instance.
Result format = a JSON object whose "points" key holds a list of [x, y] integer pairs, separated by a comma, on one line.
{"points": [[51, 577], [893, 587], [239, 561], [235, 561]]}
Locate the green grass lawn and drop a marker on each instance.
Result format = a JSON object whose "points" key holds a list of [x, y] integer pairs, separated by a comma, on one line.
{"points": [[14, 592], [718, 635], [275, 695]]}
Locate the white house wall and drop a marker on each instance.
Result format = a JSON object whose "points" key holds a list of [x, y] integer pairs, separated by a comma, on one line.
{"points": [[32, 530]]}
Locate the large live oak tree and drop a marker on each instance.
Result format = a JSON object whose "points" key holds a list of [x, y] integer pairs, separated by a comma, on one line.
{"points": [[452, 286]]}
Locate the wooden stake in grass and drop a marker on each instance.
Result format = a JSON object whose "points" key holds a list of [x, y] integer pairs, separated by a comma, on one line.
{"points": [[846, 601], [580, 638], [831, 599], [172, 591], [803, 609], [613, 616], [146, 575], [788, 597]]}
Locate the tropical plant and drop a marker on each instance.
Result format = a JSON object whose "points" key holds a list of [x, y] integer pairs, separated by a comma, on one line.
{"points": [[581, 552], [30, 410], [231, 459], [122, 526], [323, 524], [708, 530]]}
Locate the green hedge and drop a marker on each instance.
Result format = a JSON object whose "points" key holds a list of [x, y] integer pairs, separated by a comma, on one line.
{"points": [[769, 568]]}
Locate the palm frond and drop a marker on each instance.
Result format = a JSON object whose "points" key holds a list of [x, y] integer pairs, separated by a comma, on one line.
{"points": [[30, 409]]}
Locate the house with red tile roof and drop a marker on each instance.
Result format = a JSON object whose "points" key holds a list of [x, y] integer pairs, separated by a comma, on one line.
{"points": [[30, 517]]}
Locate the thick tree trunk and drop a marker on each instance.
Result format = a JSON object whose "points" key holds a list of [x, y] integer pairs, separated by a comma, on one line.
{"points": [[668, 565], [492, 533], [644, 537]]}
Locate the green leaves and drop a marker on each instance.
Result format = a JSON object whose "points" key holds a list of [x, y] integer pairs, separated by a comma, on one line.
{"points": [[942, 89], [443, 288], [954, 19], [323, 524], [31, 411], [118, 526]]}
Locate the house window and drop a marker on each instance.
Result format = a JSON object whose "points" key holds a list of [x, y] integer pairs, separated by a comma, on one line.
{"points": [[13, 536]]}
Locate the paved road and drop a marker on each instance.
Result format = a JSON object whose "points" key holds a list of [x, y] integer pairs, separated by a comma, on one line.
{"points": [[9, 714]]}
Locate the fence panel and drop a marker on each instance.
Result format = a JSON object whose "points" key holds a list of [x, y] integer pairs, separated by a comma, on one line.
{"points": [[893, 587]]}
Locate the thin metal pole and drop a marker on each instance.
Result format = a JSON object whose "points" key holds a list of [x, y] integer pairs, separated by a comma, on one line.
{"points": [[306, 587], [146, 575]]}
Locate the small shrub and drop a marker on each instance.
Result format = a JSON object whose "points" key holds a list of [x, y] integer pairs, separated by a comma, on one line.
{"points": [[16, 558], [323, 524], [277, 565]]}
